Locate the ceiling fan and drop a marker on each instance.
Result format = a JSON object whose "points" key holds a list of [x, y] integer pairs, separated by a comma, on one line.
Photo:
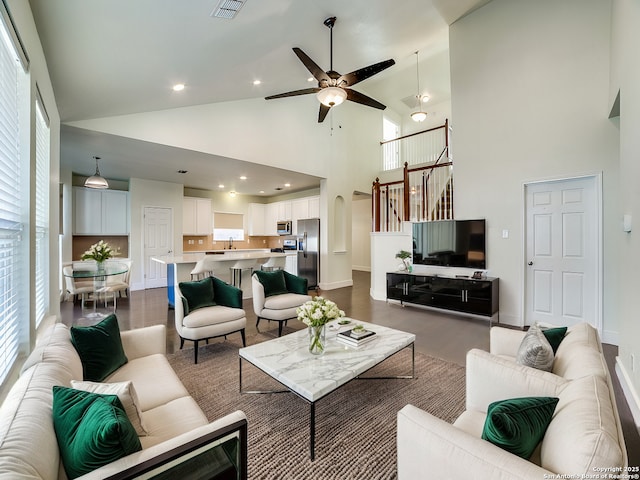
{"points": [[334, 88]]}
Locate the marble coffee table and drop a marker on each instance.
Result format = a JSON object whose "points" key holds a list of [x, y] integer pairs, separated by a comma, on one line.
{"points": [[312, 377]]}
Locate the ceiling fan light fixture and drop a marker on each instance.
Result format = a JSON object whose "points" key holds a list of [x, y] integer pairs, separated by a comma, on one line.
{"points": [[96, 180], [419, 116], [332, 96]]}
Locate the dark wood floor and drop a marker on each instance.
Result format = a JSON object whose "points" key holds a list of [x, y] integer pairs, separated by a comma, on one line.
{"points": [[437, 334]]}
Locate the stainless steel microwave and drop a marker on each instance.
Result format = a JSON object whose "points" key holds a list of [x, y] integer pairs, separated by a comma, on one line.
{"points": [[284, 228]]}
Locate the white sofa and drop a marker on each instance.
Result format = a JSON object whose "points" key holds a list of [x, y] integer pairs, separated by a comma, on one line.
{"points": [[585, 434], [28, 445]]}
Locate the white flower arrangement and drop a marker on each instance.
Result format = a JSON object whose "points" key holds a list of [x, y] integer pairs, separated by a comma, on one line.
{"points": [[99, 252], [318, 312]]}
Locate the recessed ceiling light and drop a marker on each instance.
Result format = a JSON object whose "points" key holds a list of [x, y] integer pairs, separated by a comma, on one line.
{"points": [[287, 184], [243, 177], [261, 191], [310, 79], [178, 87], [257, 82], [221, 186], [425, 98]]}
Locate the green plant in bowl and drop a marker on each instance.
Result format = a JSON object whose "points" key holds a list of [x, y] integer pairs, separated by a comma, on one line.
{"points": [[358, 328]]}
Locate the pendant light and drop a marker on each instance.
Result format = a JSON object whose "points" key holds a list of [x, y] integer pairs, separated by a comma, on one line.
{"points": [[418, 116], [96, 181]]}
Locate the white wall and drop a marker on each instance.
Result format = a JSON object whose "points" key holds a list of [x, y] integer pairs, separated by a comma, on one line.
{"points": [[361, 230], [626, 78], [529, 89]]}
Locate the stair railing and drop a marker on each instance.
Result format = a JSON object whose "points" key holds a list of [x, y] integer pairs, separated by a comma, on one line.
{"points": [[426, 192]]}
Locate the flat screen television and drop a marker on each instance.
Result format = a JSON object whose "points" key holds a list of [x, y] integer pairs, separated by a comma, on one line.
{"points": [[450, 243]]}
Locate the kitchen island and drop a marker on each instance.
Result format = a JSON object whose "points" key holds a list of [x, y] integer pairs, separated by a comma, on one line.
{"points": [[242, 262]]}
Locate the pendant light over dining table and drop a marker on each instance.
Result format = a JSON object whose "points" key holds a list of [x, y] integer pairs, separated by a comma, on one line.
{"points": [[418, 116], [96, 180]]}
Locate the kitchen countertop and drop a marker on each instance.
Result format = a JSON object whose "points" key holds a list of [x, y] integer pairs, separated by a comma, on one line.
{"points": [[228, 256]]}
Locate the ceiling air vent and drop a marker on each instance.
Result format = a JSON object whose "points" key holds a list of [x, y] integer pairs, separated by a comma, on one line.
{"points": [[227, 9]]}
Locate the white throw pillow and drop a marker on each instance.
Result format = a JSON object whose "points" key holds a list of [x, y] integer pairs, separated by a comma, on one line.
{"points": [[127, 395], [535, 350]]}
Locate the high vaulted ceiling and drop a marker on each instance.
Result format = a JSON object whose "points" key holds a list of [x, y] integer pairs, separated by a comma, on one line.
{"points": [[114, 57]]}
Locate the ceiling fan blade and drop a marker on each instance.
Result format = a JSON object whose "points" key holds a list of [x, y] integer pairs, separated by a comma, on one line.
{"points": [[323, 112], [315, 70], [364, 73], [363, 99], [293, 93]]}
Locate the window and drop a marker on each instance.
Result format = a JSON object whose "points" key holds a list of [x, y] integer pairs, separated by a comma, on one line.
{"points": [[14, 313], [391, 151], [228, 226], [42, 212]]}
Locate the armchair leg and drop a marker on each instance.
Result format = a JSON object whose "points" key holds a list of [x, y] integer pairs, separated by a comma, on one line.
{"points": [[257, 322], [280, 328], [195, 352], [244, 341], [181, 343]]}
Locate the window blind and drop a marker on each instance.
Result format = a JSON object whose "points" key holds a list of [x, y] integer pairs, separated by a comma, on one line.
{"points": [[42, 214], [13, 314]]}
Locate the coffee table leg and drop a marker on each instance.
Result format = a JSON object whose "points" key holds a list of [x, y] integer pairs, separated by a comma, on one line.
{"points": [[312, 431]]}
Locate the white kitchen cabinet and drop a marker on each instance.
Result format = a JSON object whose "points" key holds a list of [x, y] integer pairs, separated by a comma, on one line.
{"points": [[257, 219], [196, 216], [284, 210], [291, 264], [306, 207], [314, 207], [100, 212], [299, 208], [271, 219]]}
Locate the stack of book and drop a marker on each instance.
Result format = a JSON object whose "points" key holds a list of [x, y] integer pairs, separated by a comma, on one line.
{"points": [[357, 338]]}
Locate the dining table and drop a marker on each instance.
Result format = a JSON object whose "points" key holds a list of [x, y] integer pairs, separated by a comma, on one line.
{"points": [[98, 273]]}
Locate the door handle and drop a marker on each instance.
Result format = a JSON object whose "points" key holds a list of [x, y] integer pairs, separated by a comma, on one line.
{"points": [[530, 263]]}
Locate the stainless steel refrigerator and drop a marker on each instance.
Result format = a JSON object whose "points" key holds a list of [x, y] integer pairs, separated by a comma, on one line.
{"points": [[309, 250]]}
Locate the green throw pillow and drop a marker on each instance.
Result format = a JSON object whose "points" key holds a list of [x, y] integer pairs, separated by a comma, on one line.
{"points": [[226, 294], [273, 282], [517, 425], [100, 348], [199, 294], [92, 430], [555, 336], [295, 284]]}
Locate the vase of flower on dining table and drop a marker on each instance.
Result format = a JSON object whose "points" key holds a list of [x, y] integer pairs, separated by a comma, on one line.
{"points": [[316, 313], [99, 252]]}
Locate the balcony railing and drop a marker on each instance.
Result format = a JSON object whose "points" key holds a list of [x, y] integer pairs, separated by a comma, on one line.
{"points": [[424, 193], [419, 148]]}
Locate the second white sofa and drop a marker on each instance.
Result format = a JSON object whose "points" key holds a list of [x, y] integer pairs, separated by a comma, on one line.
{"points": [[584, 435]]}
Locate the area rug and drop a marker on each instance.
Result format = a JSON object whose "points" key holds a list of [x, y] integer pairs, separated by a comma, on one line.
{"points": [[355, 425]]}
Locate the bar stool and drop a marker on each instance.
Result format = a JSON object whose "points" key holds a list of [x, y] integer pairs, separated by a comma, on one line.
{"points": [[202, 270], [274, 263], [237, 268]]}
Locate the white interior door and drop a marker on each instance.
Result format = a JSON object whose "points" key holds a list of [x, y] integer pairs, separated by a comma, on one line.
{"points": [[563, 252], [158, 243]]}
